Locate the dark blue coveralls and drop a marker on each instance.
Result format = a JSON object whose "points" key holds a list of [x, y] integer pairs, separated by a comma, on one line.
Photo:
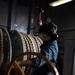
{"points": [[50, 50]]}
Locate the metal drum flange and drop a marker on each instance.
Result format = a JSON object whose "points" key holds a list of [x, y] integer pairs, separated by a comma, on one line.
{"points": [[7, 45], [1, 47], [18, 44]]}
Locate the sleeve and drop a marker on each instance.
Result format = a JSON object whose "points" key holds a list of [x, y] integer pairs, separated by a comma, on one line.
{"points": [[47, 51], [36, 61], [53, 51]]}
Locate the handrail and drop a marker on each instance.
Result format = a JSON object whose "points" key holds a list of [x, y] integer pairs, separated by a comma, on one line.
{"points": [[50, 64]]}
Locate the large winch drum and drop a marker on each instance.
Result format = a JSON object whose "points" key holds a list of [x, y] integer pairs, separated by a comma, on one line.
{"points": [[14, 43], [22, 42], [5, 46]]}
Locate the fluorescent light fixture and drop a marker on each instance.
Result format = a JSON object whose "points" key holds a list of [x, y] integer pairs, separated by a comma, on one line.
{"points": [[59, 2]]}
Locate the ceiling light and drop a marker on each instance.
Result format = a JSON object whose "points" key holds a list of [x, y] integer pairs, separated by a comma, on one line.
{"points": [[59, 2]]}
